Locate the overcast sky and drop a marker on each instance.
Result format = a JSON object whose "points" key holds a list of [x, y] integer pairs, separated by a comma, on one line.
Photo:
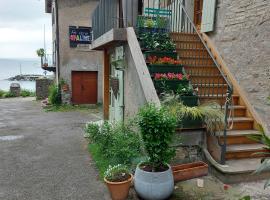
{"points": [[21, 28]]}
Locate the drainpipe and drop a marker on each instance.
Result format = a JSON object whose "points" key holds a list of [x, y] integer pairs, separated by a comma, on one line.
{"points": [[57, 41]]}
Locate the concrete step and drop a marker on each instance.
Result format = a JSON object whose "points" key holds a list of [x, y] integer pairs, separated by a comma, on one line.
{"points": [[240, 151], [236, 170]]}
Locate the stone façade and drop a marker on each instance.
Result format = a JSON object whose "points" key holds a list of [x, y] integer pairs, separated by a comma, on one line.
{"points": [[242, 37]]}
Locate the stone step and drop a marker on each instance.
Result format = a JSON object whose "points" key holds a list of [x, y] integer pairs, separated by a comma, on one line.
{"points": [[236, 170]]}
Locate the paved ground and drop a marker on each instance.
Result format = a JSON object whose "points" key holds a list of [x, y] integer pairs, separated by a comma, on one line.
{"points": [[46, 158]]}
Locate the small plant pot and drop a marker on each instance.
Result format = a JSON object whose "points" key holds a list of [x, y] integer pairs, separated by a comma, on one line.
{"points": [[169, 84], [65, 87], [189, 171], [165, 68], [154, 185], [190, 101], [160, 54], [119, 190]]}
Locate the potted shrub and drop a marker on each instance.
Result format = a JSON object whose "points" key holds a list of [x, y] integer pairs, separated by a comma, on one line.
{"points": [[164, 65], [118, 180], [187, 95], [154, 178]]}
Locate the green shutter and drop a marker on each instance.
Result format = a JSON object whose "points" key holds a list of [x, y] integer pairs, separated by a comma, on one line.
{"points": [[208, 15]]}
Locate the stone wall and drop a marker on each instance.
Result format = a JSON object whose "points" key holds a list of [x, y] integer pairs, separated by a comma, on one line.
{"points": [[42, 87], [242, 37]]}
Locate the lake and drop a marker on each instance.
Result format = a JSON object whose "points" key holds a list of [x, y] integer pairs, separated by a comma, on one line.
{"points": [[12, 67]]}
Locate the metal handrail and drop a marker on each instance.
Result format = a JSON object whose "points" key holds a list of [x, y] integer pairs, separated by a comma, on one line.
{"points": [[229, 92]]}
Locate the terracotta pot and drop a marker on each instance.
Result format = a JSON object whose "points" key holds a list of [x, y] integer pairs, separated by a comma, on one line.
{"points": [[119, 190], [65, 87], [189, 171]]}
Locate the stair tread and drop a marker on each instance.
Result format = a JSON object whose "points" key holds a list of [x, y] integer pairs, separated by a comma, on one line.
{"points": [[242, 132], [209, 84], [241, 119], [216, 95], [245, 147], [242, 165], [191, 49]]}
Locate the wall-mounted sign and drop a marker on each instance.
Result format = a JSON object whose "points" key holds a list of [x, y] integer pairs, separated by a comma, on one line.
{"points": [[80, 35]]}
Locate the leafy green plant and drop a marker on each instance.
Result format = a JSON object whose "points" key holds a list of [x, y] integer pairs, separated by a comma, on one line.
{"points": [[210, 114], [54, 95], [2, 93], [157, 42], [149, 23], [264, 139], [40, 52], [157, 129], [184, 90], [27, 93], [117, 173], [161, 22], [119, 142], [9, 94]]}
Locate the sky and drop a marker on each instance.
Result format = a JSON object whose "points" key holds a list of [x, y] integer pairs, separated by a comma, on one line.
{"points": [[22, 28]]}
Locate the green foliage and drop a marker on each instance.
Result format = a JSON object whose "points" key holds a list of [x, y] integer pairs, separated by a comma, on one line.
{"points": [[117, 173], [156, 41], [157, 129], [211, 114], [149, 23], [27, 93], [119, 143], [9, 95], [54, 95], [264, 139], [40, 52], [2, 93], [184, 90], [161, 22], [69, 108]]}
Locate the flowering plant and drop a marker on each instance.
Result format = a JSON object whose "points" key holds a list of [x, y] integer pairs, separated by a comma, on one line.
{"points": [[163, 60], [170, 76], [117, 173]]}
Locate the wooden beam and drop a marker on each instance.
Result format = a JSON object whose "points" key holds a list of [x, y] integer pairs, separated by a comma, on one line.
{"points": [[106, 86]]}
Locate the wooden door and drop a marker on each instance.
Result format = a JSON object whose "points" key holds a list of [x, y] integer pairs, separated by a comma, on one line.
{"points": [[198, 7], [84, 87]]}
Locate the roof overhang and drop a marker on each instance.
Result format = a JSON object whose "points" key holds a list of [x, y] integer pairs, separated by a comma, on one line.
{"points": [[48, 6]]}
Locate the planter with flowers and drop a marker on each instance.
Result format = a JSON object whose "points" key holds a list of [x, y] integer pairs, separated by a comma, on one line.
{"points": [[164, 65], [149, 24], [153, 179], [170, 81], [157, 44], [187, 95], [118, 180]]}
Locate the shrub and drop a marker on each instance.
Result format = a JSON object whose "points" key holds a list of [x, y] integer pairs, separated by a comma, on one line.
{"points": [[2, 93], [9, 95], [157, 129], [117, 173], [54, 95], [27, 93], [118, 143]]}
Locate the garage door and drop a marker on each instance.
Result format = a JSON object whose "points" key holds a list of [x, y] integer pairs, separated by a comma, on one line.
{"points": [[84, 87]]}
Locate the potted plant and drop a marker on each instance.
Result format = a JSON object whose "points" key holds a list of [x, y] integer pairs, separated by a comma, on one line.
{"points": [[187, 95], [164, 65], [170, 81], [64, 85], [118, 180], [154, 178]]}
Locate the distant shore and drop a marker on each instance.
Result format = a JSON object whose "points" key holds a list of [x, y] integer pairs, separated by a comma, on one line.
{"points": [[26, 77]]}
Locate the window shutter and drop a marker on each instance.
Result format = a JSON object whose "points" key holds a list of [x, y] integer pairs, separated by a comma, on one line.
{"points": [[208, 15]]}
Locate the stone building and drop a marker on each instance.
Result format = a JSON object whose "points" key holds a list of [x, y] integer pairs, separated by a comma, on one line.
{"points": [[76, 65]]}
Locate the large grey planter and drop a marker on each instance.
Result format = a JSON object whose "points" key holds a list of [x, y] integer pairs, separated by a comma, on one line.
{"points": [[154, 185]]}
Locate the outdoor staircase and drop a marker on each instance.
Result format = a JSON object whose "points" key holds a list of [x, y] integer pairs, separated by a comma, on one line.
{"points": [[211, 86]]}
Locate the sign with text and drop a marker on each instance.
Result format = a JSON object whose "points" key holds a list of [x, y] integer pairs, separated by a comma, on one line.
{"points": [[80, 35]]}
